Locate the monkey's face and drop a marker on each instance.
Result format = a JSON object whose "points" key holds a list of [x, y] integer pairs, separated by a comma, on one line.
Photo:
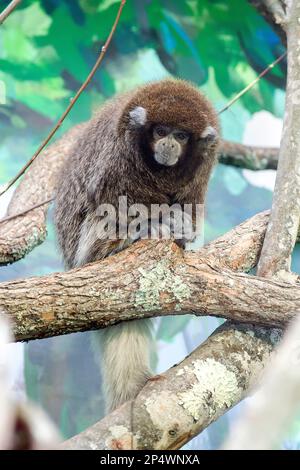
{"points": [[165, 146], [168, 144]]}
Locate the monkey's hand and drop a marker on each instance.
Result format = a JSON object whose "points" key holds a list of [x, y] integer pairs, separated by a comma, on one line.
{"points": [[152, 229]]}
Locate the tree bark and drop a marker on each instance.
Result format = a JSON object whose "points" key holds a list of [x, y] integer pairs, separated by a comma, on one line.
{"points": [[153, 278], [247, 156], [170, 411], [269, 413], [285, 214]]}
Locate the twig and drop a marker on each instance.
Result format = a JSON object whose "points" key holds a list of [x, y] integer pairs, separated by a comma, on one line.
{"points": [[251, 85], [8, 10], [72, 102], [25, 211]]}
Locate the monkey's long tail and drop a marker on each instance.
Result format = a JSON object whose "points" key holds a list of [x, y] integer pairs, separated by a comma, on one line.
{"points": [[125, 360]]}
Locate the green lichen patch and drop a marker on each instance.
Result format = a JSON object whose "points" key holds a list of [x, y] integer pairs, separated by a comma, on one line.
{"points": [[157, 280], [216, 388]]}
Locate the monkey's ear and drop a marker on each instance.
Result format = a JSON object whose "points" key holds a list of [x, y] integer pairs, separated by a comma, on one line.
{"points": [[138, 116], [209, 135]]}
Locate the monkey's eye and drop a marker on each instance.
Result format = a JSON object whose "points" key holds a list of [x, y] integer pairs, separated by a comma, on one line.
{"points": [[182, 136], [160, 131]]}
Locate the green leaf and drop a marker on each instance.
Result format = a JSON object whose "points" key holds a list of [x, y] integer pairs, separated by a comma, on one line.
{"points": [[105, 4], [31, 21]]}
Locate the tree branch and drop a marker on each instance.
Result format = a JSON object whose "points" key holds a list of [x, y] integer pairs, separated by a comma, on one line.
{"points": [[15, 215], [183, 408], [253, 83], [148, 279], [169, 412], [280, 237], [285, 215], [233, 352], [246, 156]]}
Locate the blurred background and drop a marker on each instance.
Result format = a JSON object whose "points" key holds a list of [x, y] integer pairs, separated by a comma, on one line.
{"points": [[47, 48]]}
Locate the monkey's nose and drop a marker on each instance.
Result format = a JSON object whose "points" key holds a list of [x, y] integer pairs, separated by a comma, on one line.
{"points": [[168, 144]]}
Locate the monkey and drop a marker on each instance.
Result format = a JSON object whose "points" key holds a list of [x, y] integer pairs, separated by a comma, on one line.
{"points": [[156, 144]]}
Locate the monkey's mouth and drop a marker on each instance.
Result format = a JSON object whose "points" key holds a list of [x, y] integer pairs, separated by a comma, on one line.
{"points": [[166, 159]]}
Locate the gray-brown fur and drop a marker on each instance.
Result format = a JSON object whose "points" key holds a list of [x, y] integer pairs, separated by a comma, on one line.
{"points": [[110, 161]]}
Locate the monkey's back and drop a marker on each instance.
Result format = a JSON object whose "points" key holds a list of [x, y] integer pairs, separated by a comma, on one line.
{"points": [[92, 166]]}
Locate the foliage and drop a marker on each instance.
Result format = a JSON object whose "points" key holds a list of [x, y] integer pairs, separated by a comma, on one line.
{"points": [[48, 48]]}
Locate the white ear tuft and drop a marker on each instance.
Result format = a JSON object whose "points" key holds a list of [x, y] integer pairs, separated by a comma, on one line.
{"points": [[209, 133], [138, 116]]}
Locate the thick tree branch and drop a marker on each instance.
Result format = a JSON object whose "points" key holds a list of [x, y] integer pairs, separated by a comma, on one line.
{"points": [[148, 279], [169, 412], [285, 215], [239, 249], [249, 157], [280, 237], [233, 353]]}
